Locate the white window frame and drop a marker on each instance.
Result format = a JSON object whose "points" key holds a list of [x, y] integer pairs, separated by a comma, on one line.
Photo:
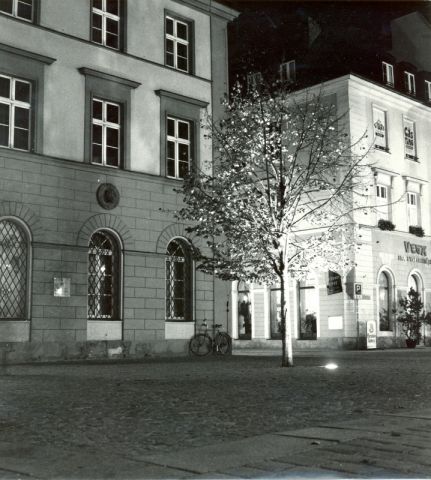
{"points": [[105, 125], [428, 90], [12, 103], [409, 83], [177, 40], [177, 142], [382, 201], [106, 15], [388, 74], [413, 209], [15, 4], [288, 71]]}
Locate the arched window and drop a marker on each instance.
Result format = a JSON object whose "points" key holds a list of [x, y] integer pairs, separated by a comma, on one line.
{"points": [[414, 282], [13, 271], [385, 323], [179, 280], [103, 276]]}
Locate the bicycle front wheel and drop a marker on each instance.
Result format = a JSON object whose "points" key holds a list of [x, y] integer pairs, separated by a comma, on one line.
{"points": [[223, 343], [200, 344]]}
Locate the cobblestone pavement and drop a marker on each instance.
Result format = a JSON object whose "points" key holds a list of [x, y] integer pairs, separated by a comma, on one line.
{"points": [[126, 411]]}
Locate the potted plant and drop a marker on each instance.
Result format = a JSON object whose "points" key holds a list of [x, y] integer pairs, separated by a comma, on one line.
{"points": [[385, 225], [411, 316], [416, 230]]}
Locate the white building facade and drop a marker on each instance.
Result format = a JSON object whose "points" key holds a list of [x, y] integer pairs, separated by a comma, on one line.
{"points": [[100, 110]]}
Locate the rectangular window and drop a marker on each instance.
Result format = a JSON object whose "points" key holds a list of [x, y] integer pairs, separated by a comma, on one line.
{"points": [[382, 202], [412, 209], [105, 133], [18, 8], [15, 113], [254, 80], [105, 23], [409, 83], [428, 90], [178, 148], [388, 74], [380, 130], [177, 44], [409, 139], [288, 71]]}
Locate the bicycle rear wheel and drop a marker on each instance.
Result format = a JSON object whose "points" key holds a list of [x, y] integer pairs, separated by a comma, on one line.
{"points": [[223, 343], [200, 344]]}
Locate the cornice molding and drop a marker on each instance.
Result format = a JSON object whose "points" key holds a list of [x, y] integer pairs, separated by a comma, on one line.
{"points": [[27, 54], [108, 76]]}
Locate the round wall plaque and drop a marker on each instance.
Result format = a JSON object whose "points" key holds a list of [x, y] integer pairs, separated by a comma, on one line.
{"points": [[108, 196]]}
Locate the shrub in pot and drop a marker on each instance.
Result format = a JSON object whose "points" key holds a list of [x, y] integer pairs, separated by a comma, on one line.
{"points": [[411, 316], [385, 225], [418, 231]]}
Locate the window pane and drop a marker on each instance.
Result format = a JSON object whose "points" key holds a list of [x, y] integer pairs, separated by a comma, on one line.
{"points": [[171, 127], [169, 26], [4, 135], [179, 308], [4, 87], [22, 91], [24, 11], [112, 113], [183, 130], [97, 109], [112, 137], [112, 156], [171, 150], [97, 134], [20, 139], [183, 169], [171, 168], [96, 154], [6, 6], [112, 6], [112, 26], [182, 50], [169, 59], [112, 40], [96, 35], [22, 117], [97, 4], [182, 31], [182, 64], [97, 21], [4, 114], [183, 152], [169, 46]]}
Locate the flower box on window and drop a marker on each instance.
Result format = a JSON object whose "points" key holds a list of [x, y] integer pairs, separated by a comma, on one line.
{"points": [[385, 225], [416, 230]]}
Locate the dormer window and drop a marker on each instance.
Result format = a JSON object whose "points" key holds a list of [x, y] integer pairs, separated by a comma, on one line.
{"points": [[388, 74], [428, 90], [288, 71], [409, 83], [254, 81]]}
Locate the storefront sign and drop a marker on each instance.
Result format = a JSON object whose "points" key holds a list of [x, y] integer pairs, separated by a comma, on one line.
{"points": [[413, 248], [371, 334], [334, 283]]}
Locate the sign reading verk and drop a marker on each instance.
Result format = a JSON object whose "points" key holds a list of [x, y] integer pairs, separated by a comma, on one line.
{"points": [[413, 248]]}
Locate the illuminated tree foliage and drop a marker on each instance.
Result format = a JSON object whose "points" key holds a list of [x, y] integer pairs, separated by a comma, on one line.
{"points": [[276, 201]]}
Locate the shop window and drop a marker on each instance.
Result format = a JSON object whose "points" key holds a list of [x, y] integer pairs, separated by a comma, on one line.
{"points": [[103, 277], [244, 311], [106, 23], [385, 302], [288, 71], [428, 90], [178, 44], [409, 83], [14, 251], [275, 312], [380, 129], [414, 282], [178, 147], [106, 133], [388, 74], [179, 281], [307, 312], [23, 9]]}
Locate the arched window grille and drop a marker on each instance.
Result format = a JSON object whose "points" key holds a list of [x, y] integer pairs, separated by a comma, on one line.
{"points": [[179, 280], [385, 323], [13, 271], [103, 276]]}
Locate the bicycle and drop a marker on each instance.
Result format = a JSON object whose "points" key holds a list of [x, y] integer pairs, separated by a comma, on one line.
{"points": [[202, 343]]}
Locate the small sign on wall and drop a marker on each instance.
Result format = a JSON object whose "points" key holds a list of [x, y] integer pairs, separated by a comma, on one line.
{"points": [[61, 287], [371, 334]]}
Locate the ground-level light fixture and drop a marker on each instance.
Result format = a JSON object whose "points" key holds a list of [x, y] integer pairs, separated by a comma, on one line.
{"points": [[331, 366]]}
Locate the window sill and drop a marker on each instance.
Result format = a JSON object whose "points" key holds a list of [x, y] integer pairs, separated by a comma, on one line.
{"points": [[179, 70], [412, 158], [382, 149]]}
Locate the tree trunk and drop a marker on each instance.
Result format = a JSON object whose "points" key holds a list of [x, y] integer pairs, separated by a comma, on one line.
{"points": [[286, 331]]}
